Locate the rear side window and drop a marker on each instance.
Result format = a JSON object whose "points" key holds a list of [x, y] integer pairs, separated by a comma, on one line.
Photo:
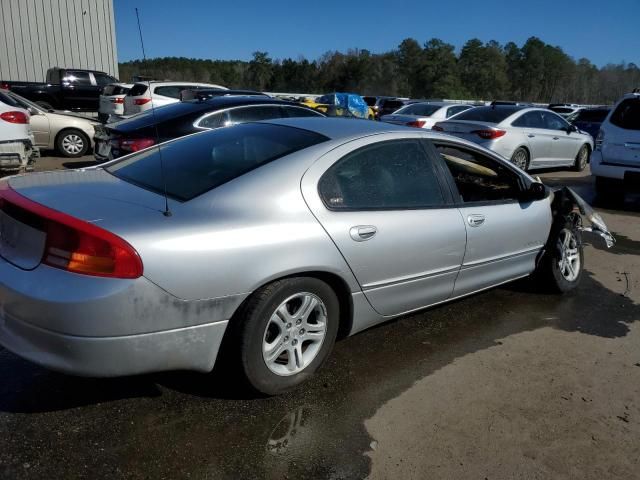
{"points": [[171, 91], [530, 120], [627, 114], [487, 114], [109, 90], [7, 100], [387, 175], [77, 78], [214, 120], [137, 90], [196, 164], [457, 109]]}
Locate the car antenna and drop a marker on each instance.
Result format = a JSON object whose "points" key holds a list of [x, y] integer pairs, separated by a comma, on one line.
{"points": [[166, 212]]}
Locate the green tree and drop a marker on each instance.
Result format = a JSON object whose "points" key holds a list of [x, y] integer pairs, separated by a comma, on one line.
{"points": [[260, 71], [439, 74]]}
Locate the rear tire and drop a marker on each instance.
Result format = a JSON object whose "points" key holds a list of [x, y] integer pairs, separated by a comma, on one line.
{"points": [[520, 158], [72, 143], [582, 159], [560, 269], [278, 347]]}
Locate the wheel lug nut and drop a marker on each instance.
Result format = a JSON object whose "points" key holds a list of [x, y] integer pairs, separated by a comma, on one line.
{"points": [[294, 342], [299, 321], [302, 331], [288, 325]]}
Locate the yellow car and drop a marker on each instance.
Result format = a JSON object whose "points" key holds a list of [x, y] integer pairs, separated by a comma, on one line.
{"points": [[341, 105]]}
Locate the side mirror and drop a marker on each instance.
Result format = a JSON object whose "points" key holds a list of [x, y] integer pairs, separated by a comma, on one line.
{"points": [[572, 128], [536, 191]]}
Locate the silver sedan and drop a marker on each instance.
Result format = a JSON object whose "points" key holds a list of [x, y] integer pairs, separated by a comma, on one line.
{"points": [[530, 137], [266, 241]]}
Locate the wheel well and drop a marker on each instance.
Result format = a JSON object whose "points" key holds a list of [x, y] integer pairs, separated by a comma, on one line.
{"points": [[526, 149], [337, 284]]}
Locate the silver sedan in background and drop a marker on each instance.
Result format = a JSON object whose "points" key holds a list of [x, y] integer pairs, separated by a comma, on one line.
{"points": [[424, 114], [530, 137], [266, 241]]}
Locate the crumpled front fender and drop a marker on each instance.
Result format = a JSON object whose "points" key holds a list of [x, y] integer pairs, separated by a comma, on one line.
{"points": [[566, 201]]}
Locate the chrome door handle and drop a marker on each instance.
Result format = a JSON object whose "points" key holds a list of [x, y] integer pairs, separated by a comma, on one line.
{"points": [[360, 233], [475, 219], [632, 146], [531, 135], [556, 138]]}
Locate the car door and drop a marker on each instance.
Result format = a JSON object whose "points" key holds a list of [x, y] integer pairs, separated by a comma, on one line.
{"points": [[539, 139], [564, 145], [504, 235], [384, 206]]}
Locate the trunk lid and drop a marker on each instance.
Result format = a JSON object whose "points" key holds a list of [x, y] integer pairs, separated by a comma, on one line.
{"points": [[91, 195], [465, 128]]}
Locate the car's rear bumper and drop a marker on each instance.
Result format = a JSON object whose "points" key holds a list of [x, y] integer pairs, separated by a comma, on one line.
{"points": [[190, 348], [610, 169], [100, 327]]}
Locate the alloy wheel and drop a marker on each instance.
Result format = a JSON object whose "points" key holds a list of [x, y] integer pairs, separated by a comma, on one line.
{"points": [[520, 159], [569, 261], [294, 334]]}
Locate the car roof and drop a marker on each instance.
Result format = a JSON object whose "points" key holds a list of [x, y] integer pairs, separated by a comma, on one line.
{"points": [[235, 100], [338, 128]]}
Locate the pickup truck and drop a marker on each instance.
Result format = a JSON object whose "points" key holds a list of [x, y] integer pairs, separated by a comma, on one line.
{"points": [[65, 89]]}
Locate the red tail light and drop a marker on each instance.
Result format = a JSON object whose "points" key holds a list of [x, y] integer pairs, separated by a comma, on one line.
{"points": [[141, 101], [5, 86], [437, 128], [489, 134], [135, 144], [15, 117], [417, 123], [117, 100], [73, 244]]}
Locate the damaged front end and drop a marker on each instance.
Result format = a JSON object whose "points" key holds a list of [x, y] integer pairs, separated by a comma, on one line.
{"points": [[568, 204]]}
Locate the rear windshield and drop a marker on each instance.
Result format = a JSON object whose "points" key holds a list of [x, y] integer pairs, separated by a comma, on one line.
{"points": [[488, 114], [137, 90], [627, 115], [592, 115], [196, 164], [7, 100], [419, 109], [371, 101]]}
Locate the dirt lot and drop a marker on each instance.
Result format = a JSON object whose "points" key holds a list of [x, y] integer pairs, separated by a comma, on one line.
{"points": [[506, 384]]}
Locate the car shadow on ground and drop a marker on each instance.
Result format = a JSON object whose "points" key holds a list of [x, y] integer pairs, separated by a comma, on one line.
{"points": [[321, 424]]}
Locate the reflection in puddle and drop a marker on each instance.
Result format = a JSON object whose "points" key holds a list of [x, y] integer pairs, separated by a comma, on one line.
{"points": [[285, 432]]}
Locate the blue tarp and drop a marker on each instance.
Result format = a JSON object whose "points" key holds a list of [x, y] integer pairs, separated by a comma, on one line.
{"points": [[355, 104]]}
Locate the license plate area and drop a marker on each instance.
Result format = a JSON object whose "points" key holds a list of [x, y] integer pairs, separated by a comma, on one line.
{"points": [[20, 244]]}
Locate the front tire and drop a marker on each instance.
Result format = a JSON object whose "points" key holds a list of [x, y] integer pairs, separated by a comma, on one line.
{"points": [[287, 331], [561, 267], [520, 158], [72, 143], [581, 159]]}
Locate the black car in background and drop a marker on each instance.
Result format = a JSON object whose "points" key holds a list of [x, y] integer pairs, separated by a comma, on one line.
{"points": [[385, 105], [589, 119], [141, 131]]}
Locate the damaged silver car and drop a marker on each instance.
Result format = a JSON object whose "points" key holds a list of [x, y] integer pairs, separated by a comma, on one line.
{"points": [[266, 241]]}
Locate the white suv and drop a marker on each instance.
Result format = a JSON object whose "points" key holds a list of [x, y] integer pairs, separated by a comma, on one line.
{"points": [[615, 161], [145, 94]]}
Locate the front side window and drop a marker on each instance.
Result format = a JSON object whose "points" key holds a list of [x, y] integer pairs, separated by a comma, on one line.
{"points": [[627, 115], [196, 164], [479, 178], [388, 175]]}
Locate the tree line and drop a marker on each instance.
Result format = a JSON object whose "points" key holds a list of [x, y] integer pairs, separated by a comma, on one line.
{"points": [[534, 72]]}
